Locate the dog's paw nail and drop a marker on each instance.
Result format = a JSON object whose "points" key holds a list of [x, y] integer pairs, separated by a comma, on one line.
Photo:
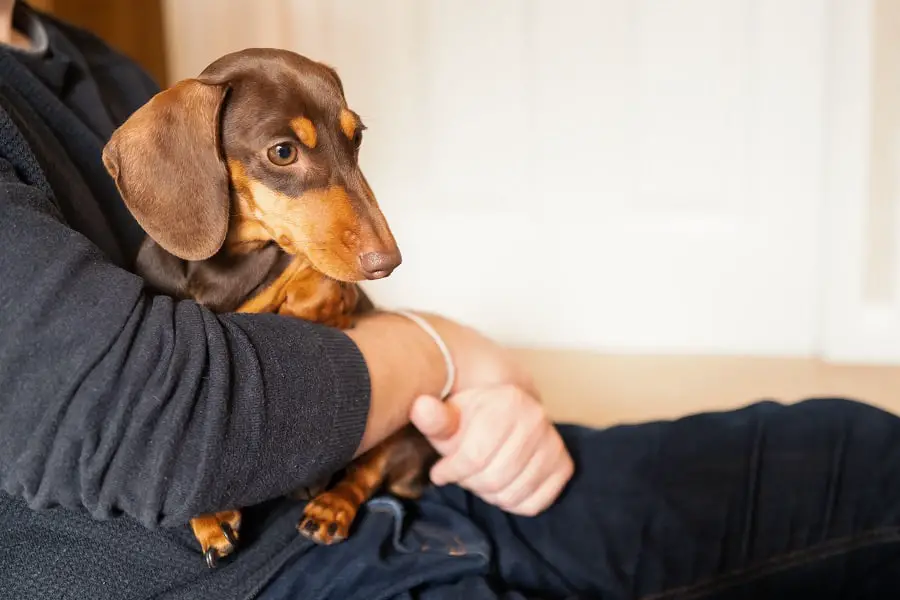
{"points": [[212, 558], [228, 533]]}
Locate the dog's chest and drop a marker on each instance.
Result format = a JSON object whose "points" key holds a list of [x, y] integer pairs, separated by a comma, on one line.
{"points": [[324, 301], [301, 291]]}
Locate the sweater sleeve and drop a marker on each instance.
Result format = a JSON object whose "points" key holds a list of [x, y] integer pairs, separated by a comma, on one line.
{"points": [[122, 403]]}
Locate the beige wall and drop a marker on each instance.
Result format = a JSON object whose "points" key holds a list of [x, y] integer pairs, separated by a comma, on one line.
{"points": [[599, 389], [881, 276]]}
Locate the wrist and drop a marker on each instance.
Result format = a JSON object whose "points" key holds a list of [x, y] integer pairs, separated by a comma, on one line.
{"points": [[479, 361], [403, 351], [403, 362], [425, 323], [454, 336]]}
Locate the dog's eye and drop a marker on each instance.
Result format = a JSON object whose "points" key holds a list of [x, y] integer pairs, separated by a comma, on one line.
{"points": [[283, 154], [357, 137]]}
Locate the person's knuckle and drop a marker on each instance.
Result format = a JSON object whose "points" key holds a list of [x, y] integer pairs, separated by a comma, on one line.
{"points": [[473, 459], [567, 459], [510, 393], [527, 403], [568, 464], [538, 421], [514, 495], [490, 484], [504, 498], [567, 472]]}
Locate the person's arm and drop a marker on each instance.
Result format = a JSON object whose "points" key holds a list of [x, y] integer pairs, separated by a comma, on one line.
{"points": [[119, 402]]}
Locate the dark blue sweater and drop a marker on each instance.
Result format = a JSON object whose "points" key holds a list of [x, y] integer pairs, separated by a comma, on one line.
{"points": [[123, 415]]}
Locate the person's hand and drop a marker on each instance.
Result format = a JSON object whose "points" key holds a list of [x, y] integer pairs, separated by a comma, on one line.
{"points": [[498, 443]]}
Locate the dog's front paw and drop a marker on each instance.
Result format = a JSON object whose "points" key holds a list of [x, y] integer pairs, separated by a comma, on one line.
{"points": [[217, 534], [327, 518]]}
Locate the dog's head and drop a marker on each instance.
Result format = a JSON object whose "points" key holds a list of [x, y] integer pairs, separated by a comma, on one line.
{"points": [[261, 146]]}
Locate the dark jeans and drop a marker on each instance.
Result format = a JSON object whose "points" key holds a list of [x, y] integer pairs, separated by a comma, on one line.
{"points": [[769, 501]]}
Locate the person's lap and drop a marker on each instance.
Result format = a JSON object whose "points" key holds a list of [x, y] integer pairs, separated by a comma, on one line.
{"points": [[767, 501]]}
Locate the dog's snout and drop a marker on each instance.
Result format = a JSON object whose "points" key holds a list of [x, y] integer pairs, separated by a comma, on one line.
{"points": [[377, 265]]}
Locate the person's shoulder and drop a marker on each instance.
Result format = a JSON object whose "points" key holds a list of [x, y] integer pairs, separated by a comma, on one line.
{"points": [[93, 48], [99, 55], [121, 82]]}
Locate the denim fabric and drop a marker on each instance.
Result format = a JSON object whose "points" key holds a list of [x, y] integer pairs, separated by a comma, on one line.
{"points": [[769, 501]]}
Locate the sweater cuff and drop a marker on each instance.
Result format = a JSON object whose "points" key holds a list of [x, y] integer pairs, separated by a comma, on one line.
{"points": [[317, 393]]}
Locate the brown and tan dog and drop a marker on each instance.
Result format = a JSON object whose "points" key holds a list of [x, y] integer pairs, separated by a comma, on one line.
{"points": [[247, 182]]}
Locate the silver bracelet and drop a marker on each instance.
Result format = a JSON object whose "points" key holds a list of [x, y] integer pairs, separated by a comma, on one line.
{"points": [[448, 359]]}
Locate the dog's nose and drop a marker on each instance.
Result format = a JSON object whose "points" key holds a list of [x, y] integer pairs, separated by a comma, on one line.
{"points": [[377, 265]]}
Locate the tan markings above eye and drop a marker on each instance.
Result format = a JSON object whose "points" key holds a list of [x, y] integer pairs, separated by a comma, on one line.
{"points": [[305, 130], [349, 123], [283, 154]]}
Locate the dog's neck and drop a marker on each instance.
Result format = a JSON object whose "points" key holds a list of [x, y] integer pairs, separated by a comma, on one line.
{"points": [[252, 278], [222, 282]]}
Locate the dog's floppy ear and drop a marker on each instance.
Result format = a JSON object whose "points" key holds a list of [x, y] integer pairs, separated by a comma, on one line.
{"points": [[168, 165]]}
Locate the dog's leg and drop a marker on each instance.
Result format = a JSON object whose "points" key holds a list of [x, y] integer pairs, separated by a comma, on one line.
{"points": [[217, 534], [400, 462], [411, 458], [327, 517]]}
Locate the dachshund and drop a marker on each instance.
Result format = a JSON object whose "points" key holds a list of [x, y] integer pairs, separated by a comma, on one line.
{"points": [[246, 181]]}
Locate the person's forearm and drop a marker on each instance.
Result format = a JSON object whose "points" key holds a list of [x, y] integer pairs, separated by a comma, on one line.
{"points": [[404, 363]]}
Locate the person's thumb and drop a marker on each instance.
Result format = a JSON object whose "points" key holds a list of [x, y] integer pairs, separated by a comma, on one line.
{"points": [[438, 421]]}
